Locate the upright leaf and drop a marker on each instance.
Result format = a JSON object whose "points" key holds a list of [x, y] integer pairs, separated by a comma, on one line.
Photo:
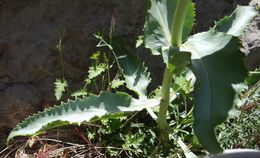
{"points": [[80, 110], [189, 21], [159, 24], [135, 73], [217, 63]]}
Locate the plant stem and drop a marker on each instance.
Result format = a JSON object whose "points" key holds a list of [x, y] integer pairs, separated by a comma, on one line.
{"points": [[166, 84], [61, 54], [178, 22], [62, 65]]}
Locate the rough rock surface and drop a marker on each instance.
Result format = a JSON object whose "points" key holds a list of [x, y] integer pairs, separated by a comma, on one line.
{"points": [[30, 32], [210, 11], [251, 41], [29, 60], [18, 101]]}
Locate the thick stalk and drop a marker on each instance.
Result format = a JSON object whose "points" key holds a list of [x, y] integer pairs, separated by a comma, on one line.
{"points": [[166, 84], [178, 22]]}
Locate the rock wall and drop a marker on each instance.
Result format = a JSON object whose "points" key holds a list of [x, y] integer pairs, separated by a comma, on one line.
{"points": [[29, 60]]}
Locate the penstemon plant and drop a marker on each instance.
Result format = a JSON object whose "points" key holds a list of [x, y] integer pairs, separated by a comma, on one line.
{"points": [[214, 57]]}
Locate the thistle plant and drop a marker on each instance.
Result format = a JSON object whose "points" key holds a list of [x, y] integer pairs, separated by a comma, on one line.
{"points": [[213, 56]]}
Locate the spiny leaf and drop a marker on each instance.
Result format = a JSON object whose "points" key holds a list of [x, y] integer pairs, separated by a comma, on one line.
{"points": [[80, 110], [60, 86], [136, 76], [159, 24], [236, 23]]}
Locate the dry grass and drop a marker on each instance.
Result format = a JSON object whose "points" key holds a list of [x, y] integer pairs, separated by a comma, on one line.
{"points": [[37, 147], [58, 143]]}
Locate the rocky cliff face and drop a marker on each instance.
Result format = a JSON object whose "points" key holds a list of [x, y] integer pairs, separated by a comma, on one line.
{"points": [[29, 60], [29, 33]]}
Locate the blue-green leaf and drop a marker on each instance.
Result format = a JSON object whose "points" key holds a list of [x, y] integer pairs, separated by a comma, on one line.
{"points": [[80, 110], [236, 23], [136, 75], [159, 24], [217, 63]]}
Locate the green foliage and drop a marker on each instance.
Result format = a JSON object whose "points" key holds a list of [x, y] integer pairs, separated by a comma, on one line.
{"points": [[136, 76], [126, 136], [236, 23], [80, 110], [60, 86], [159, 24], [98, 74], [184, 83], [220, 55], [254, 77], [242, 129], [97, 66], [96, 70], [117, 83], [139, 41], [175, 60], [213, 56], [80, 93]]}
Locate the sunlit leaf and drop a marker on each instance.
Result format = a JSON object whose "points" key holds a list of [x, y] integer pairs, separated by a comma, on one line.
{"points": [[235, 23], [117, 83], [96, 70], [217, 63], [80, 110], [60, 86], [136, 75], [159, 24]]}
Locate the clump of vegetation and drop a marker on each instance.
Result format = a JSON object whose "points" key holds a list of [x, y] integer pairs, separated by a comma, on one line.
{"points": [[242, 130], [138, 124]]}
